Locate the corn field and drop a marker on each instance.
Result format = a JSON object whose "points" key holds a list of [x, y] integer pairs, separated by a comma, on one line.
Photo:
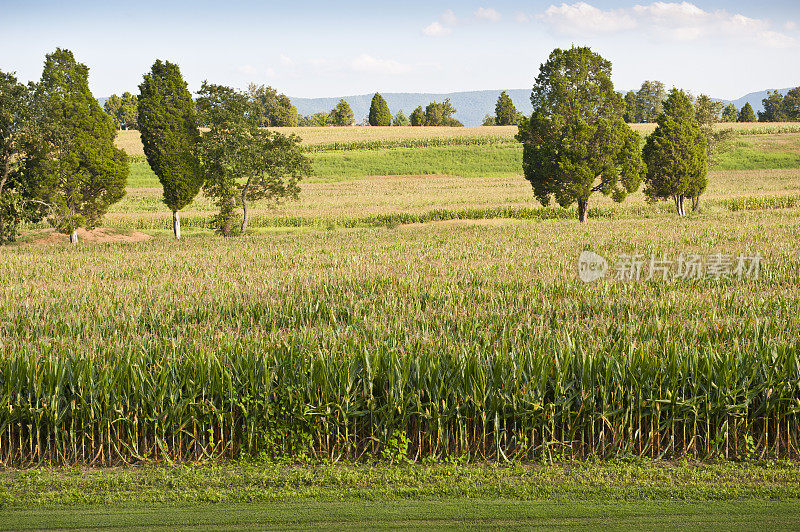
{"points": [[472, 341], [428, 142]]}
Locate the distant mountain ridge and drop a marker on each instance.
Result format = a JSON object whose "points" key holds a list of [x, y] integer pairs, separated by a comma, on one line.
{"points": [[471, 106], [754, 99]]}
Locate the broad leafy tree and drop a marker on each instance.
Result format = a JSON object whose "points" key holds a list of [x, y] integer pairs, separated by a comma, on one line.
{"points": [[441, 114], [418, 117], [341, 115], [730, 113], [17, 139], [319, 119], [576, 143], [242, 162], [123, 111], [489, 120], [707, 112], [271, 108], [379, 114], [129, 112], [676, 154], [168, 124], [773, 108], [79, 171], [791, 105], [400, 119], [504, 111], [630, 115], [113, 106], [649, 100], [746, 114]]}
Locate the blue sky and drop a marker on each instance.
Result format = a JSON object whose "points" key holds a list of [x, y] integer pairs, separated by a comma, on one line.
{"points": [[322, 48]]}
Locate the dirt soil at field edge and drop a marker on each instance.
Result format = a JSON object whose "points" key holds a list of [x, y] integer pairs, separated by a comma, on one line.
{"points": [[99, 234]]}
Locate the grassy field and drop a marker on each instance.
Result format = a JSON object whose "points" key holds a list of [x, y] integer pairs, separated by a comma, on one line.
{"points": [[257, 495], [447, 514], [385, 326], [354, 153]]}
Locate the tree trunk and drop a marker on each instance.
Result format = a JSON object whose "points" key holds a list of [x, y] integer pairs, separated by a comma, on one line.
{"points": [[678, 204], [73, 237], [696, 204], [6, 172], [246, 213], [583, 211], [176, 224]]}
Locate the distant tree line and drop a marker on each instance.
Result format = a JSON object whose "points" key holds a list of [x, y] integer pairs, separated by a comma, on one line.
{"points": [[434, 114], [123, 110]]}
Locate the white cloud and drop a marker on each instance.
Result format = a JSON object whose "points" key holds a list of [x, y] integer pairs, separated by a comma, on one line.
{"points": [[521, 17], [675, 21], [582, 18], [671, 12], [435, 29], [247, 70], [790, 25], [374, 65], [774, 39], [286, 60], [487, 14], [449, 18]]}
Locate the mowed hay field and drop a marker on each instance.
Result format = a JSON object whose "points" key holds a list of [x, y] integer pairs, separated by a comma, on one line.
{"points": [[411, 317]]}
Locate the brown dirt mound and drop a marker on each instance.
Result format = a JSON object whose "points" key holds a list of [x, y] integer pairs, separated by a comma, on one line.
{"points": [[100, 234]]}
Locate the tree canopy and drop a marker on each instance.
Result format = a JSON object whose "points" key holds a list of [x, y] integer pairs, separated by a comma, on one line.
{"points": [[341, 115], [400, 119], [791, 105], [418, 117], [379, 114], [168, 124], [630, 115], [746, 114], [773, 108], [676, 153], [80, 171], [576, 143], [17, 139], [272, 109], [730, 113], [441, 114], [504, 111], [706, 110], [649, 101], [240, 161]]}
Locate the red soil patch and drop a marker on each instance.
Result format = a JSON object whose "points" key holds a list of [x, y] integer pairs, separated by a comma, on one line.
{"points": [[100, 234]]}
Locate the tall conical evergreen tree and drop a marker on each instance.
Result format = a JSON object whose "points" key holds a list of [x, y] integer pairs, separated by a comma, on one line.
{"points": [[505, 112], [676, 153], [80, 171], [746, 114], [168, 123], [379, 114], [417, 117]]}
